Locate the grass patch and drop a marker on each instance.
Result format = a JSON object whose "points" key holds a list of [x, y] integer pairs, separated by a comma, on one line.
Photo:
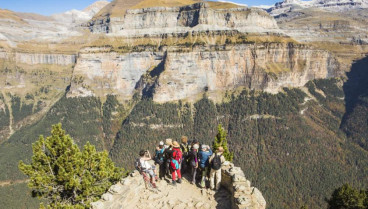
{"points": [[162, 3], [7, 14], [222, 5], [276, 68], [187, 41]]}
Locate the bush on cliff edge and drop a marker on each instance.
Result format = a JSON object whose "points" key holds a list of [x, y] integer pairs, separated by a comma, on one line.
{"points": [[65, 176]]}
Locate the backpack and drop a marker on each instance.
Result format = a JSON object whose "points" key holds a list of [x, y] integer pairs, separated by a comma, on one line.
{"points": [[174, 164], [137, 165], [216, 162], [159, 158], [184, 148], [177, 155], [176, 159]]}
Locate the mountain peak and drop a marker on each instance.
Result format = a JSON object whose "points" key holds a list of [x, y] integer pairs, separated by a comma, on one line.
{"points": [[96, 7], [77, 16]]}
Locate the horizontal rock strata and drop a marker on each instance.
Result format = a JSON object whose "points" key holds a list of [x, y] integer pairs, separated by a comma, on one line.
{"points": [[159, 20], [173, 74]]}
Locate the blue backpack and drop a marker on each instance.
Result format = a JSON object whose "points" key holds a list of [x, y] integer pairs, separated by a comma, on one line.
{"points": [[159, 158], [174, 164]]}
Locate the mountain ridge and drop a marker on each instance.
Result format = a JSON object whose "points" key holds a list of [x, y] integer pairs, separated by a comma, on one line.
{"points": [[329, 5]]}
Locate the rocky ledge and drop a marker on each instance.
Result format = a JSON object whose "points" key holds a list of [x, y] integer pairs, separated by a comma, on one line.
{"points": [[38, 58], [237, 193], [200, 17]]}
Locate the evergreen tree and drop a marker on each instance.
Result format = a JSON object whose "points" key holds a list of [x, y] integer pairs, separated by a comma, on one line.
{"points": [[221, 141], [347, 197], [65, 176]]}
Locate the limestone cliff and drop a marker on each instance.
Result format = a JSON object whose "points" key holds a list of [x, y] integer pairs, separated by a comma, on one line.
{"points": [[37, 58], [200, 16], [176, 74], [30, 83]]}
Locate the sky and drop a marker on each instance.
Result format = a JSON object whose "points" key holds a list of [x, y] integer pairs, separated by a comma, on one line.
{"points": [[48, 7]]}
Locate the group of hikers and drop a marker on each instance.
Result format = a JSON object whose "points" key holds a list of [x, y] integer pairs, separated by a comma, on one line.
{"points": [[175, 159]]}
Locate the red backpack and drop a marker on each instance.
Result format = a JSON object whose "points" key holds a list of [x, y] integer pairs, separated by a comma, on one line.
{"points": [[176, 157]]}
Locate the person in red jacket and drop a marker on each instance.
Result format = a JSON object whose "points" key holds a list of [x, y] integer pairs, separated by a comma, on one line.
{"points": [[177, 157]]}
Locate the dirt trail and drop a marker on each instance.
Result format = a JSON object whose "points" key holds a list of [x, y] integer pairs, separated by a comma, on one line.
{"points": [[184, 195], [7, 183]]}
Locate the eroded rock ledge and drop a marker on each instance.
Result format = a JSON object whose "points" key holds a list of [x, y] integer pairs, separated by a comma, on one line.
{"points": [[199, 16], [130, 192]]}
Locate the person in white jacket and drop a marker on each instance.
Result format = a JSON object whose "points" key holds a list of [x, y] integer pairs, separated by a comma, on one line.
{"points": [[216, 162]]}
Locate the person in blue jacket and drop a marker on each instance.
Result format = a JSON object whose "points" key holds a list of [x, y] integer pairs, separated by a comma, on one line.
{"points": [[204, 164]]}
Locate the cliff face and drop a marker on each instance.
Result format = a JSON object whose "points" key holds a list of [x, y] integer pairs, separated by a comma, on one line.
{"points": [[159, 20], [176, 75], [38, 58], [50, 59], [29, 85], [111, 73]]}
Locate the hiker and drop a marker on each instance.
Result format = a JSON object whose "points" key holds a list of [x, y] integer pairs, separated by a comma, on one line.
{"points": [[204, 156], [167, 156], [145, 168], [193, 161], [216, 162], [159, 159], [175, 161], [195, 141], [184, 146]]}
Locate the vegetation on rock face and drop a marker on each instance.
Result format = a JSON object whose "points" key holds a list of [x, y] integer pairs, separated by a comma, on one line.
{"points": [[356, 98], [4, 114], [347, 197], [221, 141], [64, 175], [81, 118]]}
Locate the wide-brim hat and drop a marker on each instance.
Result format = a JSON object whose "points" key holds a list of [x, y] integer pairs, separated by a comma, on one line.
{"points": [[176, 144], [168, 142]]}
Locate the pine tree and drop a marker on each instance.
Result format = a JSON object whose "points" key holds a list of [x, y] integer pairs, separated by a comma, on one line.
{"points": [[221, 141], [347, 197], [66, 177]]}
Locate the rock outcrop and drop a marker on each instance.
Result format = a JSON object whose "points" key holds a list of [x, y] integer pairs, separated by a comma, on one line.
{"points": [[50, 59], [38, 58], [199, 17], [132, 193], [172, 74]]}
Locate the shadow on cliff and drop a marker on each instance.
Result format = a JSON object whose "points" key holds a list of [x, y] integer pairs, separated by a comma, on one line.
{"points": [[148, 82], [356, 85], [354, 122]]}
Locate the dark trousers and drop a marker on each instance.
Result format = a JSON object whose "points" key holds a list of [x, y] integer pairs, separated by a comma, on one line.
{"points": [[162, 170], [184, 165], [194, 173]]}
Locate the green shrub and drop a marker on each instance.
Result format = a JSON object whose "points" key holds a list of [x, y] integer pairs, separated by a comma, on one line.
{"points": [[64, 175]]}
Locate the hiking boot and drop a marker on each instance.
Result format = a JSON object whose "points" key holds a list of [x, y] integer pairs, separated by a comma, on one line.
{"points": [[173, 183], [179, 181]]}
